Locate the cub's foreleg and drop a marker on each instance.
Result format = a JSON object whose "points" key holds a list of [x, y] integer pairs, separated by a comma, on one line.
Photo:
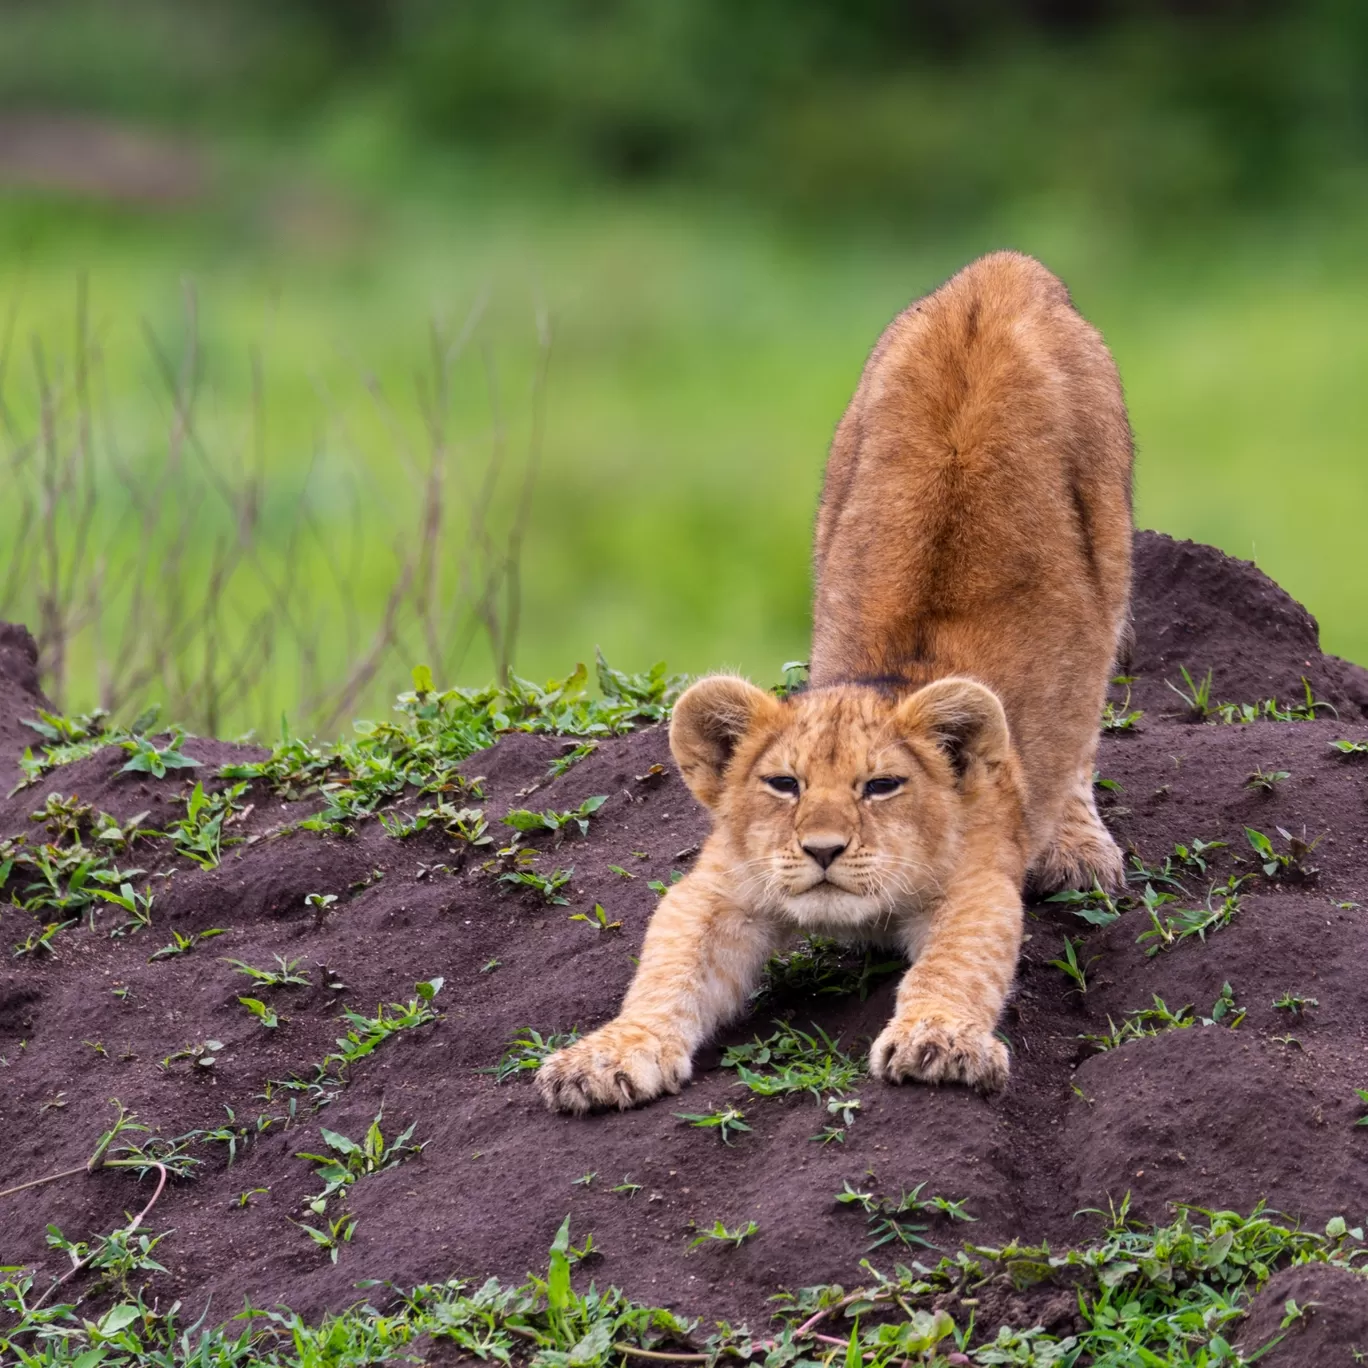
{"points": [[949, 1000], [703, 954]]}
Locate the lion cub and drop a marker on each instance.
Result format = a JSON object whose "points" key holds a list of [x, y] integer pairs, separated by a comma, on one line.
{"points": [[973, 570]]}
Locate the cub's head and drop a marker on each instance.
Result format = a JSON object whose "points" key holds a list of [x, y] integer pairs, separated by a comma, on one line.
{"points": [[842, 805]]}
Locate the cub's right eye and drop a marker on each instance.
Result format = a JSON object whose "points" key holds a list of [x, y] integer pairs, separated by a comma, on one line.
{"points": [[785, 784]]}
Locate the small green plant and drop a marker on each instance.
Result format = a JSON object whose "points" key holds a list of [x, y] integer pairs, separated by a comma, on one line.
{"points": [[1278, 864], [844, 1110], [198, 836], [1265, 781], [1295, 1004], [661, 887], [331, 1239], [40, 942], [1350, 748], [1147, 1022], [137, 905], [348, 1161], [565, 763], [1071, 968], [286, 974], [726, 1121], [183, 945], [1195, 854], [1120, 718], [620, 872], [1197, 697], [548, 885], [1096, 906], [1223, 902], [820, 967], [719, 1234], [521, 819], [204, 1054], [792, 1061], [267, 1016], [598, 919], [527, 1052], [627, 1188], [114, 1258], [1363, 1098], [887, 1215], [147, 758]]}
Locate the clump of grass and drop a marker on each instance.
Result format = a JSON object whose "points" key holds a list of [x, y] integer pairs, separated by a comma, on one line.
{"points": [[1295, 1004], [1350, 748], [887, 1216], [1122, 718], [286, 974], [1072, 967], [598, 919], [523, 819], [267, 1016], [1164, 1294], [183, 945], [548, 885], [1096, 906], [1152, 1021], [563, 764], [726, 1121], [1223, 902], [1200, 707], [527, 1052], [364, 1035], [436, 730], [719, 1234], [1282, 864], [820, 967], [791, 1061], [348, 1161], [1265, 781]]}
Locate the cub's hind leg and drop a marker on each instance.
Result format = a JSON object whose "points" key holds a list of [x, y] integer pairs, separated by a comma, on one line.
{"points": [[1082, 853]]}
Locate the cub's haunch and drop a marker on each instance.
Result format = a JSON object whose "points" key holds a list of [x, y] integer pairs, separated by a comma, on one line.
{"points": [[972, 577]]}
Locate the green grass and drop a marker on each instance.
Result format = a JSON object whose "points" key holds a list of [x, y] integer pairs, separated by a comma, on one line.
{"points": [[700, 360], [1164, 1294]]}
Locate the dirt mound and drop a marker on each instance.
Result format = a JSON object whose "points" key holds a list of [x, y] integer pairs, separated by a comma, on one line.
{"points": [[1195, 607], [1195, 1113], [1326, 1310], [19, 696]]}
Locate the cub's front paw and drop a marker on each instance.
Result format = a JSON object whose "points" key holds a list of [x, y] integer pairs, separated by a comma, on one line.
{"points": [[937, 1048], [620, 1065]]}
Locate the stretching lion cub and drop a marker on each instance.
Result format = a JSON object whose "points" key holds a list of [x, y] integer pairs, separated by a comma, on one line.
{"points": [[973, 569]]}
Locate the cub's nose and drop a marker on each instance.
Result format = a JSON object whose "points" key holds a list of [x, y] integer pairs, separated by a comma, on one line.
{"points": [[826, 853]]}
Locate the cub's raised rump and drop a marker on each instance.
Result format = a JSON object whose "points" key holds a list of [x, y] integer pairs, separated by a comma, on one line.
{"points": [[972, 572]]}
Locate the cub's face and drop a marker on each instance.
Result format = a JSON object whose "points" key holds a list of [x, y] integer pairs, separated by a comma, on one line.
{"points": [[841, 807]]}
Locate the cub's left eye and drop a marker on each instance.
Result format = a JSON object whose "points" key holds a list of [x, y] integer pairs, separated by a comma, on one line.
{"points": [[882, 786], [782, 783]]}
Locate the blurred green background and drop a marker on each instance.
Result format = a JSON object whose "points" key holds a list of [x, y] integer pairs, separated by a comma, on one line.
{"points": [[258, 262]]}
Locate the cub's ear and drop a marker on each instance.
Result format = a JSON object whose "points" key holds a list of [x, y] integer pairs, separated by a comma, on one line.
{"points": [[709, 721], [964, 718]]}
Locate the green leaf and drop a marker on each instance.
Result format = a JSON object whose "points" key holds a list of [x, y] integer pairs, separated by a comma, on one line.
{"points": [[558, 1292], [117, 1318], [422, 680]]}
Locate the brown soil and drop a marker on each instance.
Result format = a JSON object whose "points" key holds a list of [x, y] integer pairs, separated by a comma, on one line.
{"points": [[1207, 1115]]}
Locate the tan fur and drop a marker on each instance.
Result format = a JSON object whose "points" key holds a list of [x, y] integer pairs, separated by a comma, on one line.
{"points": [[973, 566]]}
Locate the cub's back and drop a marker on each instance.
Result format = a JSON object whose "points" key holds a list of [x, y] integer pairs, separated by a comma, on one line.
{"points": [[976, 514]]}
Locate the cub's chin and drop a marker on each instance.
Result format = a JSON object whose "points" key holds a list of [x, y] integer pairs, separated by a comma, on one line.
{"points": [[828, 909]]}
